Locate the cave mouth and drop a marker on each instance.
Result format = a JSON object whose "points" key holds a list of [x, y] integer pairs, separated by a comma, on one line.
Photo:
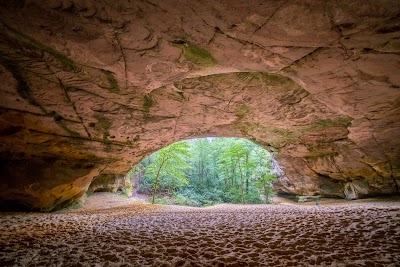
{"points": [[90, 88], [205, 171], [86, 103]]}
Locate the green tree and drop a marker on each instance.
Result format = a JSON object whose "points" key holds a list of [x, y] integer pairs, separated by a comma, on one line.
{"points": [[263, 173], [265, 184], [170, 162], [200, 161], [236, 155], [220, 170]]}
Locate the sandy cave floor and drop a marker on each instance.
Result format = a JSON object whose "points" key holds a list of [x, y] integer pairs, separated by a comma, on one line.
{"points": [[128, 233]]}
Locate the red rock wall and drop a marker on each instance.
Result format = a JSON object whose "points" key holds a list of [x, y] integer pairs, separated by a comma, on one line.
{"points": [[104, 84]]}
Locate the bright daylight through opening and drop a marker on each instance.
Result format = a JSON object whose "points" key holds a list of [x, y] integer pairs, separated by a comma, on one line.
{"points": [[206, 171]]}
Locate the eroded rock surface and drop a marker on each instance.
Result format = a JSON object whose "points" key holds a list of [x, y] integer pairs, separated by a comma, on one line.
{"points": [[105, 84]]}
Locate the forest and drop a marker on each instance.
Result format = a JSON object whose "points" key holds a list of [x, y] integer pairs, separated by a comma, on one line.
{"points": [[207, 171]]}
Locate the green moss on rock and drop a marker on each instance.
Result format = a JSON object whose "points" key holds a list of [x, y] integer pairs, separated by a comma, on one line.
{"points": [[114, 88], [194, 54], [246, 127], [276, 81], [69, 131], [181, 95], [346, 121], [289, 70], [147, 103], [283, 132], [197, 55], [23, 87], [30, 43], [104, 123], [242, 110], [328, 123]]}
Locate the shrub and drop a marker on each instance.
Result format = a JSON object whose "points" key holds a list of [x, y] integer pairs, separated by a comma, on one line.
{"points": [[185, 201], [163, 201]]}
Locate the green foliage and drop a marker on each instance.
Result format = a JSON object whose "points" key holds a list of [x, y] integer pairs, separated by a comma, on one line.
{"points": [[183, 200], [207, 171], [163, 200], [265, 185], [169, 167]]}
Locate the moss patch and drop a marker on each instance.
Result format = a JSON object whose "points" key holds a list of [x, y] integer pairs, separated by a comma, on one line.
{"points": [[67, 63], [345, 121], [247, 127], [289, 70], [269, 81], [328, 123], [32, 44], [283, 132], [114, 88], [104, 123], [181, 95], [198, 55], [69, 131], [194, 54], [23, 87], [241, 111], [177, 95], [148, 103]]}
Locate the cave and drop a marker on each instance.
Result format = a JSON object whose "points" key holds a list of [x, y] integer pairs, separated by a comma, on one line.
{"points": [[90, 88]]}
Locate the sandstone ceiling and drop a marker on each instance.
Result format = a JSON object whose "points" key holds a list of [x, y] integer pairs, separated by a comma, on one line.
{"points": [[89, 88]]}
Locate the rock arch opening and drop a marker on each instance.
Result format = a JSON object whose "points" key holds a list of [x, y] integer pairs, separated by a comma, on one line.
{"points": [[312, 140], [103, 92], [202, 172]]}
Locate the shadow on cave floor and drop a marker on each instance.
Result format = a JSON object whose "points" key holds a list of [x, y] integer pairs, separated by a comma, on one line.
{"points": [[110, 230]]}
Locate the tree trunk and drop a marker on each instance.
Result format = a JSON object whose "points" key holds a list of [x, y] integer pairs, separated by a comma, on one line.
{"points": [[265, 193], [198, 173], [247, 174], [241, 181], [234, 182], [156, 183], [226, 180]]}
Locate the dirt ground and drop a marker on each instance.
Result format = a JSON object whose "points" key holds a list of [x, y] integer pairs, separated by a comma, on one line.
{"points": [[112, 231]]}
